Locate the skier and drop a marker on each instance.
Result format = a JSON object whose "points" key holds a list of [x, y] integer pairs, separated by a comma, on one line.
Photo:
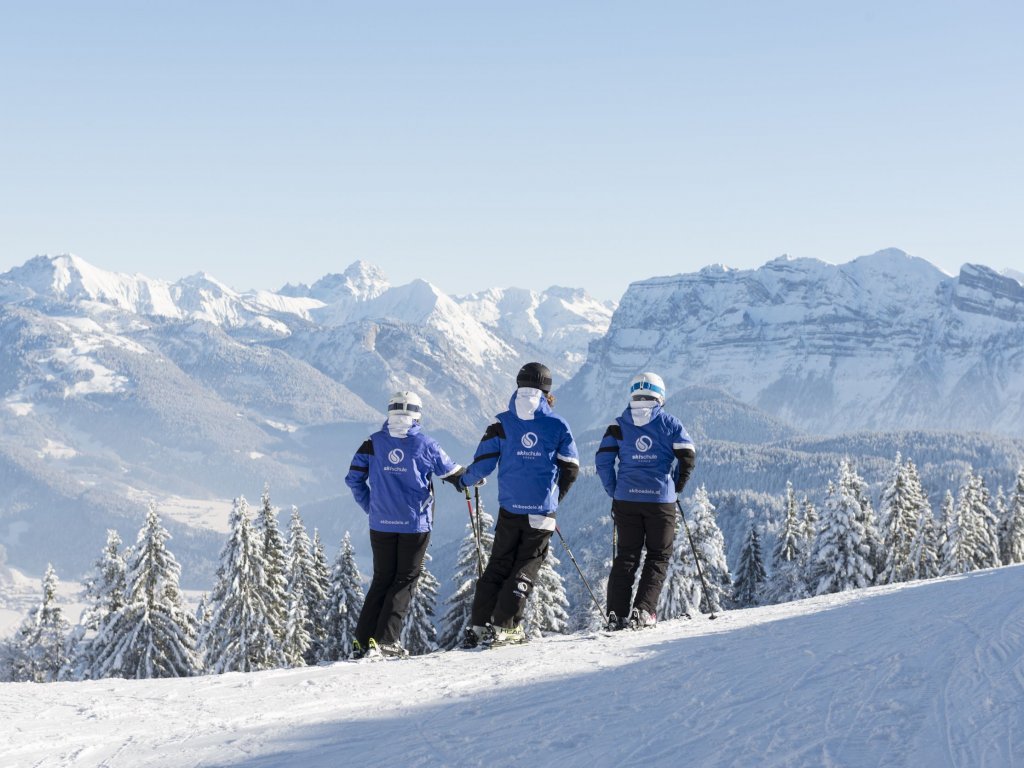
{"points": [[390, 477], [646, 441], [537, 462]]}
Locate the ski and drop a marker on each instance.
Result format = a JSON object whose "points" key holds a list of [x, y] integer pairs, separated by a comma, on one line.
{"points": [[506, 644]]}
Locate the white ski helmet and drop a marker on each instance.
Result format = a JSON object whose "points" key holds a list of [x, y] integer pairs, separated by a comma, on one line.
{"points": [[406, 403], [647, 384]]}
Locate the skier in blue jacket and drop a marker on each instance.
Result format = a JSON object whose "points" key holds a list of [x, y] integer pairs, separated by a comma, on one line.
{"points": [[390, 478], [537, 462], [646, 442]]}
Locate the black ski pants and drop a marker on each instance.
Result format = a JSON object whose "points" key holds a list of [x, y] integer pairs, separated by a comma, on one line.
{"points": [[517, 554], [397, 564], [640, 524]]}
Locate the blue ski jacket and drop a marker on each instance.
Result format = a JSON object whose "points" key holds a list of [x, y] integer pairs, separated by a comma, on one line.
{"points": [[390, 478], [645, 456], [536, 458]]}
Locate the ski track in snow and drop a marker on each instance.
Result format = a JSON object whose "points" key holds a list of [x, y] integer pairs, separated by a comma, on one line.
{"points": [[928, 674]]}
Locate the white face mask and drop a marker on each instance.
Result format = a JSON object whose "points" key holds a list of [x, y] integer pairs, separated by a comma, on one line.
{"points": [[527, 402], [399, 423], [641, 411]]}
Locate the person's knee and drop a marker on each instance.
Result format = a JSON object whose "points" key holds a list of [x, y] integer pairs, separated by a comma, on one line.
{"points": [[522, 586], [626, 560], [659, 556], [402, 581]]}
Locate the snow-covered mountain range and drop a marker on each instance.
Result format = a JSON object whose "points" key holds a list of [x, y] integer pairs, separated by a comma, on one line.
{"points": [[115, 388], [368, 336], [884, 342]]}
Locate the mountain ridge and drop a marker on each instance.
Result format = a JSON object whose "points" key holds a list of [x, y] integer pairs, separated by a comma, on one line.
{"points": [[154, 389], [217, 392], [886, 339]]}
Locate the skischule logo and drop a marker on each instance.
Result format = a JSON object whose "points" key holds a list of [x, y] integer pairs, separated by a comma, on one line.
{"points": [[529, 442], [396, 456], [644, 443]]}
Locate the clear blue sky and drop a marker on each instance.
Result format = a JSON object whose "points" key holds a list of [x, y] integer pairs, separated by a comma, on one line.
{"points": [[491, 144]]}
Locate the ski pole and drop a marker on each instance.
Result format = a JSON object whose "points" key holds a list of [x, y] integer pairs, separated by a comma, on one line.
{"points": [[696, 559], [476, 534], [477, 529], [600, 610], [615, 536]]}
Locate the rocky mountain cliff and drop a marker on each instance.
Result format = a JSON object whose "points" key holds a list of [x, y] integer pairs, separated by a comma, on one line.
{"points": [[885, 342]]}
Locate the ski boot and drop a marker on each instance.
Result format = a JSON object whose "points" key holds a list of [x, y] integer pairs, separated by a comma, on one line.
{"points": [[614, 623], [500, 636], [372, 650], [472, 636], [392, 650], [641, 619]]}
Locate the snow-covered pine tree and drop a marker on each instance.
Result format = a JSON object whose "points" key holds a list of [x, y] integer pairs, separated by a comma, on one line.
{"points": [[202, 617], [6, 660], [926, 546], [903, 507], [945, 513], [274, 562], [592, 547], [239, 636], [789, 556], [457, 614], [812, 571], [810, 524], [152, 634], [1001, 509], [710, 545], [748, 586], [419, 635], [39, 649], [980, 520], [957, 549], [680, 593], [547, 608], [105, 591], [868, 520], [1015, 515], [301, 579], [344, 602], [316, 601], [841, 558], [105, 588]]}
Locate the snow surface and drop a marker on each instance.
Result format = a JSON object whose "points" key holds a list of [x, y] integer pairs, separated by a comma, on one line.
{"points": [[927, 674], [19, 594], [208, 514], [55, 449], [19, 408]]}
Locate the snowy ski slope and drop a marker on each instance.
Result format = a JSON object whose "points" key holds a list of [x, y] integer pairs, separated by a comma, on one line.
{"points": [[929, 674]]}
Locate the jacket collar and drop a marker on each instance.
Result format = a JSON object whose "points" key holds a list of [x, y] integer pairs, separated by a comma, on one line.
{"points": [[543, 409], [413, 430], [627, 414]]}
